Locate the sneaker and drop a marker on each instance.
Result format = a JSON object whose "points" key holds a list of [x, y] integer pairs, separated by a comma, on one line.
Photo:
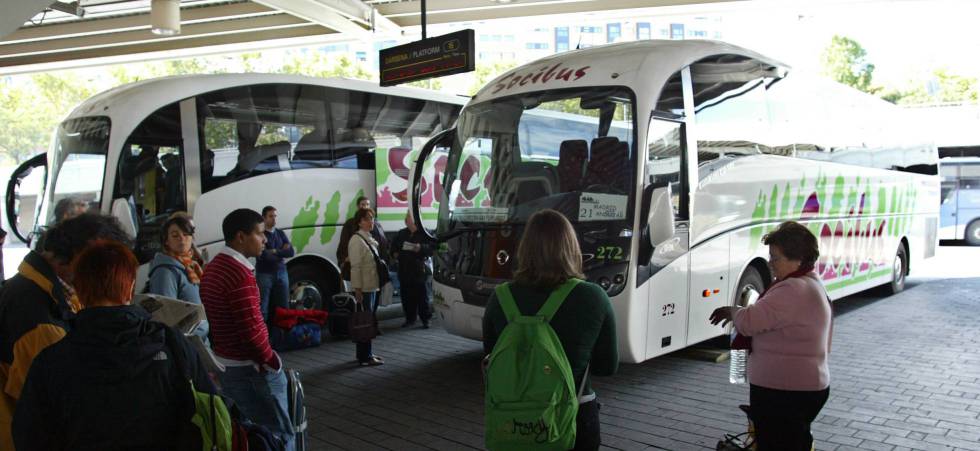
{"points": [[373, 361]]}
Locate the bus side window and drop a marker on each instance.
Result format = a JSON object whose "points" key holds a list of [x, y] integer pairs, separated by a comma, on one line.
{"points": [[950, 179], [969, 176]]}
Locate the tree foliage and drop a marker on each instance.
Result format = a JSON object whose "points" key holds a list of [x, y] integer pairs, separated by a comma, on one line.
{"points": [[485, 73], [844, 61], [32, 105], [942, 87]]}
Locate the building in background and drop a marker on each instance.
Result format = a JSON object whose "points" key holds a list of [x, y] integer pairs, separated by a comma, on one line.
{"points": [[525, 41]]}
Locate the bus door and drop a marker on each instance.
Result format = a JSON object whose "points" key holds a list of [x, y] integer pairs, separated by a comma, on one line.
{"points": [[664, 260], [150, 185]]}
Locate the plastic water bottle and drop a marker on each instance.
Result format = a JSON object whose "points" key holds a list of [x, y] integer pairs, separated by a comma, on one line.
{"points": [[737, 364]]}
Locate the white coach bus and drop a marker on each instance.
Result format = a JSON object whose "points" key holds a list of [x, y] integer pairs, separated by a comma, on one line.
{"points": [[208, 144], [695, 150]]}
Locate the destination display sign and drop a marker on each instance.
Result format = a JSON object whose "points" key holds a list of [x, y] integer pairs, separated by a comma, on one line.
{"points": [[433, 57]]}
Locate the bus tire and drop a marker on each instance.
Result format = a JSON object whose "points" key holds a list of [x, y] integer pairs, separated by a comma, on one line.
{"points": [[751, 279], [310, 287], [973, 233], [900, 268]]}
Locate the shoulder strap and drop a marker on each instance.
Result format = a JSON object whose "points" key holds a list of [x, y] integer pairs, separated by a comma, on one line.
{"points": [[373, 252], [172, 268], [177, 353], [556, 298], [506, 300]]}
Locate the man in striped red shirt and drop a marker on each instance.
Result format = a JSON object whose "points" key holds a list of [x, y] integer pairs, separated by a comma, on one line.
{"points": [[253, 375]]}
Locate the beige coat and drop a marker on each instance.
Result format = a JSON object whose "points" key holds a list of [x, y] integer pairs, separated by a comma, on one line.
{"points": [[363, 270]]}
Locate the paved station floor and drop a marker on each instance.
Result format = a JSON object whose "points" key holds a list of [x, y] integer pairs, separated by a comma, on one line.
{"points": [[905, 375]]}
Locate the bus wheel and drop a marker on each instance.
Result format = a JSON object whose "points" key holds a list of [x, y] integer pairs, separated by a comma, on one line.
{"points": [[749, 285], [309, 287], [973, 233], [900, 267]]}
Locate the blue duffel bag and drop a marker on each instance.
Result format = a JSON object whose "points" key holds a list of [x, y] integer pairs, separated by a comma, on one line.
{"points": [[302, 335]]}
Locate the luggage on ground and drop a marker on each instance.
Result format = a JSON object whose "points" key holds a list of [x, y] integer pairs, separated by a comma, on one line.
{"points": [[296, 329], [297, 410], [530, 400]]}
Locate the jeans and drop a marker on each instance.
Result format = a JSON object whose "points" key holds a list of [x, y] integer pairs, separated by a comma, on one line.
{"points": [[261, 397], [274, 291], [587, 436], [364, 352]]}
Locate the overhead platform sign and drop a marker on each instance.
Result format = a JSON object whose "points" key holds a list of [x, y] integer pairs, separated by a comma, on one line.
{"points": [[433, 57]]}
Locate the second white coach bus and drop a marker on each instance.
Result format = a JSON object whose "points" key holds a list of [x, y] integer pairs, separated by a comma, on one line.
{"points": [[208, 144], [694, 150]]}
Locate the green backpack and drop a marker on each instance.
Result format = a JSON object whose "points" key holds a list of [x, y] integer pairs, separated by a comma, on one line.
{"points": [[530, 399], [209, 424]]}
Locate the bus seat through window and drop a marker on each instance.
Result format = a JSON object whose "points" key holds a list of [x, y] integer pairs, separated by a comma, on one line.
{"points": [[314, 149], [608, 163], [249, 161], [531, 180], [572, 155]]}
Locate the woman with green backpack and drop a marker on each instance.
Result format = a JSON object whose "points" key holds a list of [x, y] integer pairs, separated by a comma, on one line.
{"points": [[545, 333]]}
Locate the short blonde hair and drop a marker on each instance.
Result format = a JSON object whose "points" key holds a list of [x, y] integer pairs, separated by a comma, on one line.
{"points": [[549, 253]]}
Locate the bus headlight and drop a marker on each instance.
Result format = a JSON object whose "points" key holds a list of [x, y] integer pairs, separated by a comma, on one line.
{"points": [[605, 283], [611, 278]]}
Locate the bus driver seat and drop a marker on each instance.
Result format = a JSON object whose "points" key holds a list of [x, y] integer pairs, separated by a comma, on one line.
{"points": [[608, 163], [572, 155]]}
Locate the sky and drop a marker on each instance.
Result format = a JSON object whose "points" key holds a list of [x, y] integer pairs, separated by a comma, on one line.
{"points": [[905, 39]]}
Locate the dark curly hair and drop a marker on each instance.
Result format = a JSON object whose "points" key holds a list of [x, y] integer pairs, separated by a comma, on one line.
{"points": [[795, 241], [241, 220], [67, 238]]}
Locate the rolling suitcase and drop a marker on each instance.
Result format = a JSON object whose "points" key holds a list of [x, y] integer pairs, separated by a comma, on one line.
{"points": [[339, 310], [297, 410]]}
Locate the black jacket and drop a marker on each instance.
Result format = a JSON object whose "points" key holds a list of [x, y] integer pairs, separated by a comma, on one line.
{"points": [[412, 262], [110, 384]]}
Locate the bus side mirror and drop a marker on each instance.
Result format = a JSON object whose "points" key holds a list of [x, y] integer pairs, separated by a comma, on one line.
{"points": [[123, 211], [660, 221]]}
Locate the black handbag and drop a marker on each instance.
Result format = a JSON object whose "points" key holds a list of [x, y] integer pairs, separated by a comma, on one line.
{"points": [[361, 326], [383, 275]]}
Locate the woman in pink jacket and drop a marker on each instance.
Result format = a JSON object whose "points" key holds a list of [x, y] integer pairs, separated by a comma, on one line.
{"points": [[790, 327]]}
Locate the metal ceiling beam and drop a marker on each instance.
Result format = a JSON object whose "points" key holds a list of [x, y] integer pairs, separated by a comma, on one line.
{"points": [[318, 12], [130, 38], [31, 63], [359, 11], [17, 12], [445, 11], [135, 22]]}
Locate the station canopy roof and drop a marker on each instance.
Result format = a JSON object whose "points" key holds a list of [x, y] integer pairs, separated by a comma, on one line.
{"points": [[40, 35]]}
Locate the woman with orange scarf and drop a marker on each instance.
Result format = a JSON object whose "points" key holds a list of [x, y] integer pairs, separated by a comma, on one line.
{"points": [[175, 272]]}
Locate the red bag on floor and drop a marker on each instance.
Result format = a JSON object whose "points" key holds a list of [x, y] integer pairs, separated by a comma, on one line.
{"points": [[289, 318]]}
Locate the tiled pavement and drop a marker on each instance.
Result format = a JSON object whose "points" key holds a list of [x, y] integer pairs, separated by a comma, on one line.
{"points": [[905, 375]]}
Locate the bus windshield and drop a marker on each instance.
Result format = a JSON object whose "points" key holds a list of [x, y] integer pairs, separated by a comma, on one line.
{"points": [[79, 163], [569, 150]]}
